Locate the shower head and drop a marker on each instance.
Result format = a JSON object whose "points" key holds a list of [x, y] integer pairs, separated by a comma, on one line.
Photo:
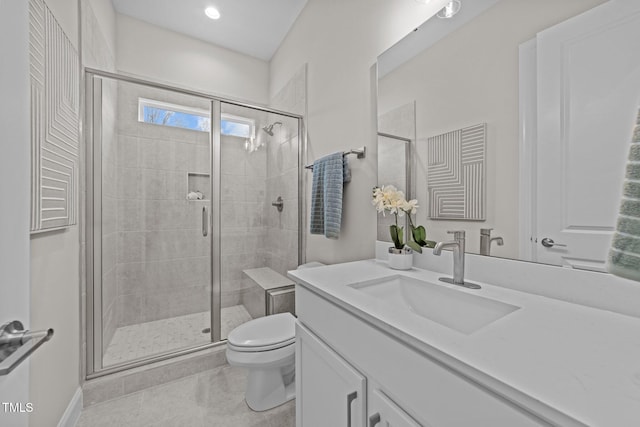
{"points": [[269, 128]]}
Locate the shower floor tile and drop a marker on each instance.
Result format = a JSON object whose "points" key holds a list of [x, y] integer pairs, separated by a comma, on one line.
{"points": [[161, 336]]}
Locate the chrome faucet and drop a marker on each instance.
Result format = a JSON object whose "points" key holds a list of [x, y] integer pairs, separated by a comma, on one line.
{"points": [[458, 259], [485, 241]]}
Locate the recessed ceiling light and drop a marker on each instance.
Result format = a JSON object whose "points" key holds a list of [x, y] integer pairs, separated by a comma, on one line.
{"points": [[212, 12], [449, 10]]}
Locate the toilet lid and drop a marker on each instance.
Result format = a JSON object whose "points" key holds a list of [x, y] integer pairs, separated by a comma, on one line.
{"points": [[264, 333]]}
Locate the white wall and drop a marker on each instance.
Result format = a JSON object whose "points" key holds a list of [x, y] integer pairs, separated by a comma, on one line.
{"points": [[340, 40], [168, 57], [55, 303], [55, 295], [106, 14], [467, 78], [14, 190]]}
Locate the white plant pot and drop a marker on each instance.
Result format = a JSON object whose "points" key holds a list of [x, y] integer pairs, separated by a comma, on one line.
{"points": [[400, 259]]}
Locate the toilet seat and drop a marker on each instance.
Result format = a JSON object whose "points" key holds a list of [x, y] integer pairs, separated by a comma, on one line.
{"points": [[260, 348], [263, 334]]}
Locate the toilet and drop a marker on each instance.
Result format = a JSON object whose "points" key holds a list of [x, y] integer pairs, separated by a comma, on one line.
{"points": [[266, 346]]}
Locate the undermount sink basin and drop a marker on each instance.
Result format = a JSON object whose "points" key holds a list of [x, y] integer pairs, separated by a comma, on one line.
{"points": [[449, 307]]}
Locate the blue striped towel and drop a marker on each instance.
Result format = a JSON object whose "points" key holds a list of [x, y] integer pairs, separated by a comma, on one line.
{"points": [[624, 257], [329, 175]]}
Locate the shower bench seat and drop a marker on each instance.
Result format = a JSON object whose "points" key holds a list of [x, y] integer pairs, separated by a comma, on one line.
{"points": [[268, 292]]}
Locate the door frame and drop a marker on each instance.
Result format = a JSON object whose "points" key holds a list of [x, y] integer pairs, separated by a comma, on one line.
{"points": [[527, 147], [15, 168]]}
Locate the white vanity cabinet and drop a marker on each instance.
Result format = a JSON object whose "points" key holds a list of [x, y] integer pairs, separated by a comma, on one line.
{"points": [[385, 413], [334, 391], [340, 352]]}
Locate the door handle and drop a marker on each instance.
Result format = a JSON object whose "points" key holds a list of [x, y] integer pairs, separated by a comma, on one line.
{"points": [[350, 398], [549, 243], [374, 419], [16, 344], [205, 221]]}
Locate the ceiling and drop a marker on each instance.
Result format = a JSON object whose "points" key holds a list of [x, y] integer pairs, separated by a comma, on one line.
{"points": [[252, 27]]}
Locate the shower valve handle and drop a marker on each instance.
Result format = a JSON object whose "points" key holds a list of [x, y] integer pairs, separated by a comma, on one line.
{"points": [[279, 204]]}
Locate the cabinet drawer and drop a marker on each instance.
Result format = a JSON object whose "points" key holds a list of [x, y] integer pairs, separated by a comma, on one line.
{"points": [[431, 393]]}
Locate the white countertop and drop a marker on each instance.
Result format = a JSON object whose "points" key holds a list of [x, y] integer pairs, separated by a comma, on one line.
{"points": [[556, 358]]}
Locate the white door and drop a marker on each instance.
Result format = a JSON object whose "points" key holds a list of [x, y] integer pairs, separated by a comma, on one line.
{"points": [[14, 195], [588, 86], [329, 391]]}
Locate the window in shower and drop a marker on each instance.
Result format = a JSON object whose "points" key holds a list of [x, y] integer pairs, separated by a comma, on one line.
{"points": [[167, 114]]}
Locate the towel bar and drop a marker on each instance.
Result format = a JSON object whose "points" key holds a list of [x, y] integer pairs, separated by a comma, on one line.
{"points": [[361, 153]]}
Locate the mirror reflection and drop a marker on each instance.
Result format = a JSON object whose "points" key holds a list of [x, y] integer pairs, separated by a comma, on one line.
{"points": [[395, 134], [557, 83]]}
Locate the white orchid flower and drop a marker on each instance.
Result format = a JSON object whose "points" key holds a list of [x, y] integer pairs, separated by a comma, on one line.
{"points": [[410, 207]]}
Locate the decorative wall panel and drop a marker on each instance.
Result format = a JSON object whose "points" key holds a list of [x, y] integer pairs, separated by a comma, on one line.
{"points": [[456, 174], [55, 86]]}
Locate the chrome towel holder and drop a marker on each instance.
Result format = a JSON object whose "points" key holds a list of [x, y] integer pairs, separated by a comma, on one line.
{"points": [[361, 153]]}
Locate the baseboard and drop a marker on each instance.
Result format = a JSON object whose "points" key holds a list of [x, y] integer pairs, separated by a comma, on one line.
{"points": [[72, 413]]}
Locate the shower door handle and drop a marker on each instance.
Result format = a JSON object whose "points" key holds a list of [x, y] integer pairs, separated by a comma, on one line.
{"points": [[205, 222]]}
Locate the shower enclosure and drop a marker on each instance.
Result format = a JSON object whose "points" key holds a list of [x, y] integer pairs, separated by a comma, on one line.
{"points": [[179, 203]]}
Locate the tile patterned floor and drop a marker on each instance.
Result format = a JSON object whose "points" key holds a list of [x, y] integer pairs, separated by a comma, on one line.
{"points": [[161, 336], [210, 398]]}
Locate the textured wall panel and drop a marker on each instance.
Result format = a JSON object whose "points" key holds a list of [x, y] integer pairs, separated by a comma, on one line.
{"points": [[456, 174], [55, 122]]}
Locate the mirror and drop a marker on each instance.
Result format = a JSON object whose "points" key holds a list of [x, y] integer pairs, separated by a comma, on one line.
{"points": [[557, 83], [396, 131]]}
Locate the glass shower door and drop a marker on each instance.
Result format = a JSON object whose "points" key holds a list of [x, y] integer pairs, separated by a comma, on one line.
{"points": [[152, 201], [258, 159]]}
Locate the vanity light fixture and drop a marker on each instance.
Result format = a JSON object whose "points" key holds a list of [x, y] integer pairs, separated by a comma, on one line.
{"points": [[449, 10], [212, 12]]}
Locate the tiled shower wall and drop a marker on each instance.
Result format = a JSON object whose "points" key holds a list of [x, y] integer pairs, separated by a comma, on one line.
{"points": [[163, 259], [282, 177], [242, 184], [281, 252]]}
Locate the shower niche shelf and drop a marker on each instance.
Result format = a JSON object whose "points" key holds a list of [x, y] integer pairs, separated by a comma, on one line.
{"points": [[198, 183]]}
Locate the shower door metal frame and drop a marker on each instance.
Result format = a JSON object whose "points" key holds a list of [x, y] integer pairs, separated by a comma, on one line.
{"points": [[214, 222], [93, 135]]}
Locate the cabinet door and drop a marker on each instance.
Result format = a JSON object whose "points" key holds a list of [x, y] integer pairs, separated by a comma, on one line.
{"points": [[384, 413], [330, 392]]}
